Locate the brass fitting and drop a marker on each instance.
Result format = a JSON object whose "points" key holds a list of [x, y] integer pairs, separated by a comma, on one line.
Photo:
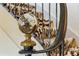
{"points": [[28, 42]]}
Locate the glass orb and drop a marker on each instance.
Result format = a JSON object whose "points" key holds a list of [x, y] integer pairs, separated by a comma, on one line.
{"points": [[27, 23]]}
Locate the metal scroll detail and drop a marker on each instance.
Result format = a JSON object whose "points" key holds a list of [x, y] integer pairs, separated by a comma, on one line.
{"points": [[61, 30]]}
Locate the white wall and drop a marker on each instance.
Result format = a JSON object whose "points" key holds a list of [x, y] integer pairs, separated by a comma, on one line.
{"points": [[73, 17]]}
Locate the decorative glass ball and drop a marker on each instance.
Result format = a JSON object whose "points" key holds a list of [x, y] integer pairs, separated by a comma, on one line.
{"points": [[27, 23]]}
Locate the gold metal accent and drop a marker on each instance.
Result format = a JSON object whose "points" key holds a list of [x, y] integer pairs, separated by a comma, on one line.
{"points": [[28, 42]]}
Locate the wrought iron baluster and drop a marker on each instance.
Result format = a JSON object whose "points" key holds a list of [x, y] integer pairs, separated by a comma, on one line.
{"points": [[28, 7], [35, 8]]}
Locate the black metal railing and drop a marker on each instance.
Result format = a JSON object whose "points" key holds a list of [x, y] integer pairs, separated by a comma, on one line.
{"points": [[60, 32]]}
